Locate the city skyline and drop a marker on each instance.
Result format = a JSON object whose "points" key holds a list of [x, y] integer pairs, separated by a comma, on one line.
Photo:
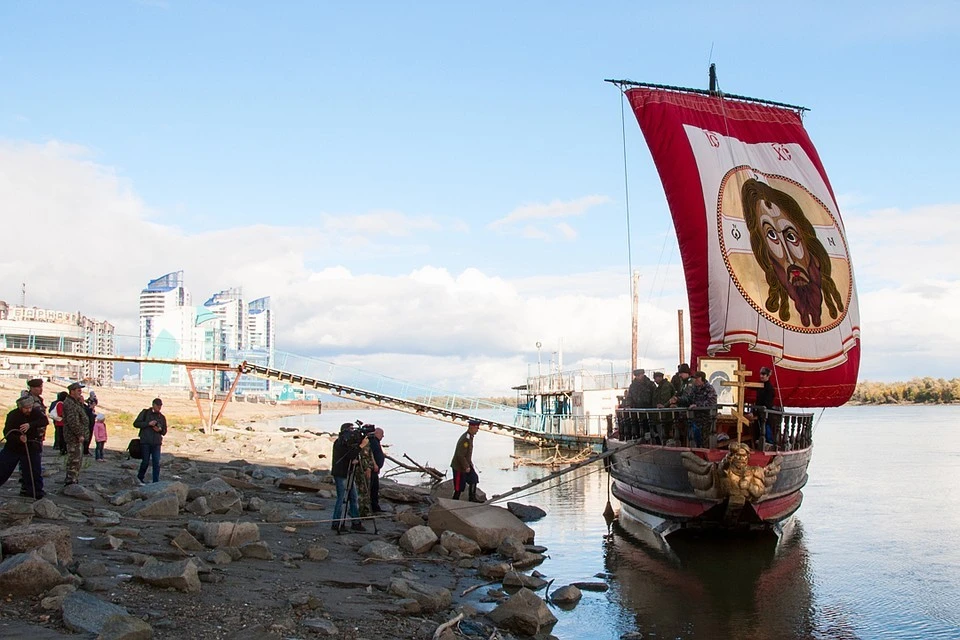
{"points": [[429, 192], [223, 328]]}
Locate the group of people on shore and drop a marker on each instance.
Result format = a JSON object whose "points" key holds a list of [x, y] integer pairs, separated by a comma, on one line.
{"points": [[76, 424], [358, 458]]}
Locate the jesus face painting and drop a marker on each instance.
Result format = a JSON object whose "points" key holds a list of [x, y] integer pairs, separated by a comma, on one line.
{"points": [[786, 246]]}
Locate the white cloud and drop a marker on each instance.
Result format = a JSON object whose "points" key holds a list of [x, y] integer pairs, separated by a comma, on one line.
{"points": [[93, 245], [524, 220]]}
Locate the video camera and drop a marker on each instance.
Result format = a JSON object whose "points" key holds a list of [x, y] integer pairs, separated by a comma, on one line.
{"points": [[353, 437]]}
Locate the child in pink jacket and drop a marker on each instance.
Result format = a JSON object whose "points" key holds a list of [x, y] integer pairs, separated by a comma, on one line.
{"points": [[100, 435]]}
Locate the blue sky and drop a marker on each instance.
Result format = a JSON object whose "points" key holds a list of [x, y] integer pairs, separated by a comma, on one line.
{"points": [[428, 189]]}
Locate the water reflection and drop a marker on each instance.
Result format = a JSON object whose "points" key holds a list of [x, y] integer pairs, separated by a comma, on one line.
{"points": [[736, 587]]}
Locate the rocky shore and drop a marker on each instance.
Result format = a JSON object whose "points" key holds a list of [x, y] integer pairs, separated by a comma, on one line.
{"points": [[243, 549]]}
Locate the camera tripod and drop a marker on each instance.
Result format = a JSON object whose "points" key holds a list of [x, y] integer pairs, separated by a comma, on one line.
{"points": [[349, 486]]}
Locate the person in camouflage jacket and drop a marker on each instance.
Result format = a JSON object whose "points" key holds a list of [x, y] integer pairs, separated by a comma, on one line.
{"points": [[76, 426]]}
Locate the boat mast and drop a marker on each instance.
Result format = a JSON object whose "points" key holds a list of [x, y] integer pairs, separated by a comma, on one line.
{"points": [[635, 322]]}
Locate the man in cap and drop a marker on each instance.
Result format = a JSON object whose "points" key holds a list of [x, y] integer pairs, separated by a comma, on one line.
{"points": [[464, 473], [76, 426], [35, 389], [640, 393], [681, 379], [35, 450], [153, 426], [23, 431]]}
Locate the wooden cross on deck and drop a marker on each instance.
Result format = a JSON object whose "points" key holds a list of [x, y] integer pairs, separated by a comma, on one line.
{"points": [[741, 384]]}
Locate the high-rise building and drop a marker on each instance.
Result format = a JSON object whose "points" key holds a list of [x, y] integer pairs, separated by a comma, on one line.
{"points": [[223, 328], [24, 327], [167, 322], [261, 337]]}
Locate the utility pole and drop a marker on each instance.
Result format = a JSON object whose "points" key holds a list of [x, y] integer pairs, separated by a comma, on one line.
{"points": [[23, 294]]}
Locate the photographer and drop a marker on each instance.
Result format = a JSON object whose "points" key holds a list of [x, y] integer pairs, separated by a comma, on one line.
{"points": [[346, 454]]}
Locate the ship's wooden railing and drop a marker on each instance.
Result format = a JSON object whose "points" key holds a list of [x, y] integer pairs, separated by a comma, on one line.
{"points": [[787, 430], [681, 426], [697, 427]]}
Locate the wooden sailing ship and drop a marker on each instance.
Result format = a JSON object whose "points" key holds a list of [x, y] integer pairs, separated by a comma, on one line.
{"points": [[770, 284]]}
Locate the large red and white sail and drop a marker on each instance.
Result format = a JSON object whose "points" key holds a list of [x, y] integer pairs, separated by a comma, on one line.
{"points": [[765, 255]]}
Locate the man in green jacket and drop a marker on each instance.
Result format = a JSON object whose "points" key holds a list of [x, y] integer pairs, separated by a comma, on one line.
{"points": [[76, 426], [464, 473]]}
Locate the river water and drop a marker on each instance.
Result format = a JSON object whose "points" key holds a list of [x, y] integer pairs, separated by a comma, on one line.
{"points": [[873, 552]]}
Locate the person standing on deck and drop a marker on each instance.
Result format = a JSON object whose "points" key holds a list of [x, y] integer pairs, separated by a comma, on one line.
{"points": [[766, 396], [700, 396], [76, 426], [661, 398], [681, 379], [464, 473]]}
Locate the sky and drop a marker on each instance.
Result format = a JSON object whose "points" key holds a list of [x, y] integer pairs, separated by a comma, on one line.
{"points": [[431, 190]]}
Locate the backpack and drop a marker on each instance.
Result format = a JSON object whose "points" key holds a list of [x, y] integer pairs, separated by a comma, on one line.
{"points": [[56, 412], [134, 449]]}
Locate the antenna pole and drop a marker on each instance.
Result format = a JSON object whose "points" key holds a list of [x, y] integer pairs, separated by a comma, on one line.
{"points": [[23, 294], [680, 332], [713, 78]]}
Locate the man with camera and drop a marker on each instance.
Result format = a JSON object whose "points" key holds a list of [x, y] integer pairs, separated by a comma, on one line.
{"points": [[346, 456]]}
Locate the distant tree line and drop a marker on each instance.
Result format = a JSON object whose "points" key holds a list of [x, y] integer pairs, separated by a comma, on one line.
{"points": [[915, 391]]}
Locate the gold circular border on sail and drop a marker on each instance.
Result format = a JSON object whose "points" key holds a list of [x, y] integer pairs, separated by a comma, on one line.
{"points": [[745, 269]]}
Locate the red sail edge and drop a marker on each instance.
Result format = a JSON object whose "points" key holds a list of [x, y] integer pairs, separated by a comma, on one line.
{"points": [[767, 266]]}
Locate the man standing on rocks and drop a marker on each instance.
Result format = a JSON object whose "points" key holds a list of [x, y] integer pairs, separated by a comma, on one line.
{"points": [[464, 472], [378, 459], [35, 449], [76, 426], [346, 452], [153, 426], [23, 430]]}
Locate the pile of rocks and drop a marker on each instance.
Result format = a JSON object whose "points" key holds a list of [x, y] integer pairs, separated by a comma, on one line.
{"points": [[225, 550]]}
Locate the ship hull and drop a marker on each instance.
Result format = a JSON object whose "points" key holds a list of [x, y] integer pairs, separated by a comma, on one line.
{"points": [[655, 491]]}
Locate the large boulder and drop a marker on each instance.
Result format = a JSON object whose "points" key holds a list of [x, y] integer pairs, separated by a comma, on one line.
{"points": [[419, 539], [28, 574], [221, 497], [224, 534], [84, 612], [526, 512], [454, 542], [181, 575], [445, 490], [488, 525], [160, 506], [28, 537], [523, 613], [429, 598], [179, 489]]}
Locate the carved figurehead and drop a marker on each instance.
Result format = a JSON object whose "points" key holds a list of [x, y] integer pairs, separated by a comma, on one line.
{"points": [[733, 477]]}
